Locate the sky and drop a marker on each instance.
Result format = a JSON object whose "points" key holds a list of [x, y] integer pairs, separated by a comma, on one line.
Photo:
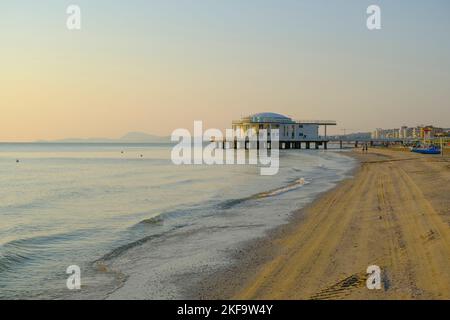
{"points": [[155, 66]]}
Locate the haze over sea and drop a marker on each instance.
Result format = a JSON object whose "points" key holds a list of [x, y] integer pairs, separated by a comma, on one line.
{"points": [[68, 204]]}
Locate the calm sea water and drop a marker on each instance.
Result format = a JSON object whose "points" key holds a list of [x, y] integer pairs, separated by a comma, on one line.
{"points": [[76, 204]]}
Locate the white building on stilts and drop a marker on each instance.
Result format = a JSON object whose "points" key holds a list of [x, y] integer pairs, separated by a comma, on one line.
{"points": [[293, 134]]}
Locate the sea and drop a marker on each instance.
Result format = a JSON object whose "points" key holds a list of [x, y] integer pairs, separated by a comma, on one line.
{"points": [[93, 205]]}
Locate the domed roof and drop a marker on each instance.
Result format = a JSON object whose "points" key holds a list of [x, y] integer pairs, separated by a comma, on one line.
{"points": [[270, 117]]}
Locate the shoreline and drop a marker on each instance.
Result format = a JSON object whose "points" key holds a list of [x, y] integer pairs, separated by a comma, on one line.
{"points": [[389, 214], [222, 284], [227, 234]]}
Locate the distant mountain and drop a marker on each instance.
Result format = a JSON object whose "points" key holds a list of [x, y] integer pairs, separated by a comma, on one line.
{"points": [[130, 137], [142, 137], [80, 140]]}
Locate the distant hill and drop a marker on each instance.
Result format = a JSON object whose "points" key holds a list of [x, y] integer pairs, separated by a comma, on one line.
{"points": [[130, 137], [142, 137]]}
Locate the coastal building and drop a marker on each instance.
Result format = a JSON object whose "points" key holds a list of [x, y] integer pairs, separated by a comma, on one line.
{"points": [[432, 132], [292, 133], [409, 133], [445, 132], [386, 133], [404, 131], [419, 132], [377, 133]]}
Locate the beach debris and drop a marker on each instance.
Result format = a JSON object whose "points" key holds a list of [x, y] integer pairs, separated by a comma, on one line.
{"points": [[342, 288], [17, 160]]}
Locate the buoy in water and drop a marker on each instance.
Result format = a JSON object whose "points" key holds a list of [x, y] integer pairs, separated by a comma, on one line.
{"points": [[17, 161]]}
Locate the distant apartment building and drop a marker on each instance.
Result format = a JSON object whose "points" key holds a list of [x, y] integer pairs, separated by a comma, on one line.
{"points": [[431, 132], [419, 132], [386, 133], [404, 132]]}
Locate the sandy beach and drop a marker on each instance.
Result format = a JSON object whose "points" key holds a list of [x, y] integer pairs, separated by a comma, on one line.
{"points": [[394, 213]]}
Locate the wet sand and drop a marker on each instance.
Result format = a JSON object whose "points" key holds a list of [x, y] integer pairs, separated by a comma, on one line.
{"points": [[394, 213]]}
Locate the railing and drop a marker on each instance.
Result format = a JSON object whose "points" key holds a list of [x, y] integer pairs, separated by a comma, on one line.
{"points": [[434, 139], [365, 139], [321, 122]]}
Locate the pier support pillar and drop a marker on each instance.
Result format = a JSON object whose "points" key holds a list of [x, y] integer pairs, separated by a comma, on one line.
{"points": [[325, 145], [340, 144], [316, 145], [307, 145]]}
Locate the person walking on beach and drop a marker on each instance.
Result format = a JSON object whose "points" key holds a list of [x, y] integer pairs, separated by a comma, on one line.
{"points": [[365, 148]]}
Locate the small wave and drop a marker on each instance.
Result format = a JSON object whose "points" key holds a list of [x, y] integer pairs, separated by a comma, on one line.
{"points": [[292, 186], [271, 193], [19, 251], [163, 216], [153, 220], [14, 253], [227, 204], [159, 219], [10, 259], [119, 250], [295, 185]]}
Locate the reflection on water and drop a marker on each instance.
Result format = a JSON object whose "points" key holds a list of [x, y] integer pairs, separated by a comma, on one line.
{"points": [[66, 204]]}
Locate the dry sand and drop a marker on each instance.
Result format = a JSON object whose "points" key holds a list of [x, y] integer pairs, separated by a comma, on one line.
{"points": [[395, 213]]}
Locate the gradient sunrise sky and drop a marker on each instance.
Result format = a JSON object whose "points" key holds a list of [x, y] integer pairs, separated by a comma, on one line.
{"points": [[155, 66]]}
